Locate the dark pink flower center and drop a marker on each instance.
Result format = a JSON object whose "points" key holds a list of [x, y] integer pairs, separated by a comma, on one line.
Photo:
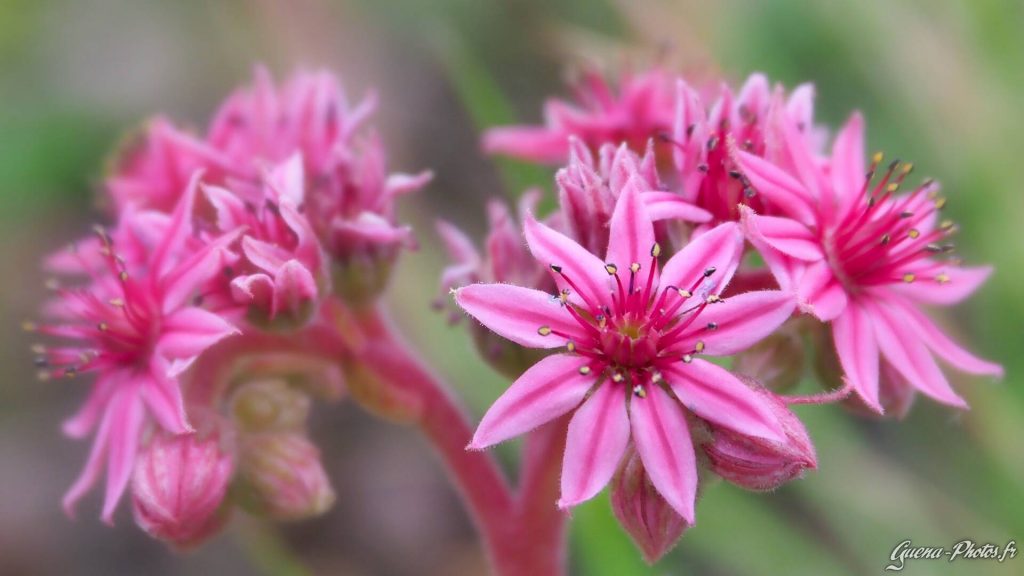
{"points": [[884, 239]]}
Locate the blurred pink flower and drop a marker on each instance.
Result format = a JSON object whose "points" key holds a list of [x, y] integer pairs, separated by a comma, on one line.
{"points": [[282, 477], [588, 189], [135, 326], [632, 335], [638, 109], [707, 176], [283, 272], [178, 487], [861, 256]]}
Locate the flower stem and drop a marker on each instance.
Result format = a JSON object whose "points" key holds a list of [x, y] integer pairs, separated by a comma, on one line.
{"points": [[522, 536]]}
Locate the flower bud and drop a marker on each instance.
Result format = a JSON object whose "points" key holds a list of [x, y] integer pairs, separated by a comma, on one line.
{"points": [[648, 519], [895, 395], [178, 487], [757, 463], [269, 405], [281, 477], [776, 361]]}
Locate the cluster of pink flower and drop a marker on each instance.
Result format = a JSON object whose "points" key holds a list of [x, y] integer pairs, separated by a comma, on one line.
{"points": [[642, 272], [234, 285], [242, 233]]}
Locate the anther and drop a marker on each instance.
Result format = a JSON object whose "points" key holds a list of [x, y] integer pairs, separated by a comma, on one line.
{"points": [[699, 347], [687, 358], [892, 187], [571, 346], [877, 158], [123, 276], [908, 277], [617, 377], [685, 293], [634, 267], [655, 377], [556, 268], [885, 239], [563, 296], [913, 233], [734, 174], [702, 168], [714, 299], [709, 271], [946, 225], [749, 192], [942, 278], [639, 391], [712, 326], [544, 330], [118, 302], [655, 250], [611, 269], [584, 370], [712, 143], [102, 327], [940, 203]]}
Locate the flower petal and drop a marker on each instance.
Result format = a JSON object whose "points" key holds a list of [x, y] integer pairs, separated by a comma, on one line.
{"points": [[949, 350], [847, 166], [162, 396], [597, 439], [519, 314], [717, 395], [962, 282], [631, 239], [820, 292], [190, 331], [121, 449], [857, 349], [719, 248], [904, 349], [544, 392], [775, 185], [584, 269], [740, 321], [662, 439], [527, 143], [672, 206], [786, 235]]}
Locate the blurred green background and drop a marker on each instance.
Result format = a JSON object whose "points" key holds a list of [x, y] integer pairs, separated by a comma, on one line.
{"points": [[940, 83]]}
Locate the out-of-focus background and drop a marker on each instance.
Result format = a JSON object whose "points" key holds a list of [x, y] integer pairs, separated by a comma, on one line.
{"points": [[940, 83]]}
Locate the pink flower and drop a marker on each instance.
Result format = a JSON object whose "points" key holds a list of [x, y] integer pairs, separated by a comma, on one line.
{"points": [[707, 176], [349, 194], [632, 336], [640, 108], [178, 487], [589, 188], [865, 258], [283, 272], [134, 325], [281, 476]]}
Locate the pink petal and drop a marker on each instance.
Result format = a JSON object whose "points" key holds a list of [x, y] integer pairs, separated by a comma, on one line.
{"points": [[785, 235], [190, 331], [519, 314], [370, 227], [544, 392], [631, 239], [949, 350], [853, 332], [740, 321], [672, 206], [848, 171], [459, 247], [584, 269], [93, 466], [662, 439], [779, 188], [229, 207], [820, 293], [720, 248], [166, 253], [121, 449], [400, 184], [963, 281], [82, 423], [597, 439], [180, 284], [294, 286], [162, 396], [716, 395], [264, 255], [903, 348], [527, 143]]}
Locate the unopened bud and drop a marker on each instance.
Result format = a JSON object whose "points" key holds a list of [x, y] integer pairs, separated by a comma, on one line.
{"points": [[757, 463], [281, 477], [649, 520], [269, 405], [178, 487]]}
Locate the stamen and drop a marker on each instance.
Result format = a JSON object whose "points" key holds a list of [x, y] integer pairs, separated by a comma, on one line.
{"points": [[639, 391], [687, 358], [584, 370], [611, 269], [544, 330], [942, 278], [712, 326], [617, 377], [699, 347]]}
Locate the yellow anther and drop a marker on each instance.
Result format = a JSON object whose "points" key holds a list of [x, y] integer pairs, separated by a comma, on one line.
{"points": [[687, 358], [914, 233], [571, 346], [655, 250], [877, 158], [699, 347], [685, 293], [908, 277], [611, 269], [617, 377], [634, 267], [639, 391], [942, 278], [584, 370], [544, 330]]}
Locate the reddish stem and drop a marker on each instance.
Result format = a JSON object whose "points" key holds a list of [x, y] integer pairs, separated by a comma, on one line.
{"points": [[524, 535]]}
